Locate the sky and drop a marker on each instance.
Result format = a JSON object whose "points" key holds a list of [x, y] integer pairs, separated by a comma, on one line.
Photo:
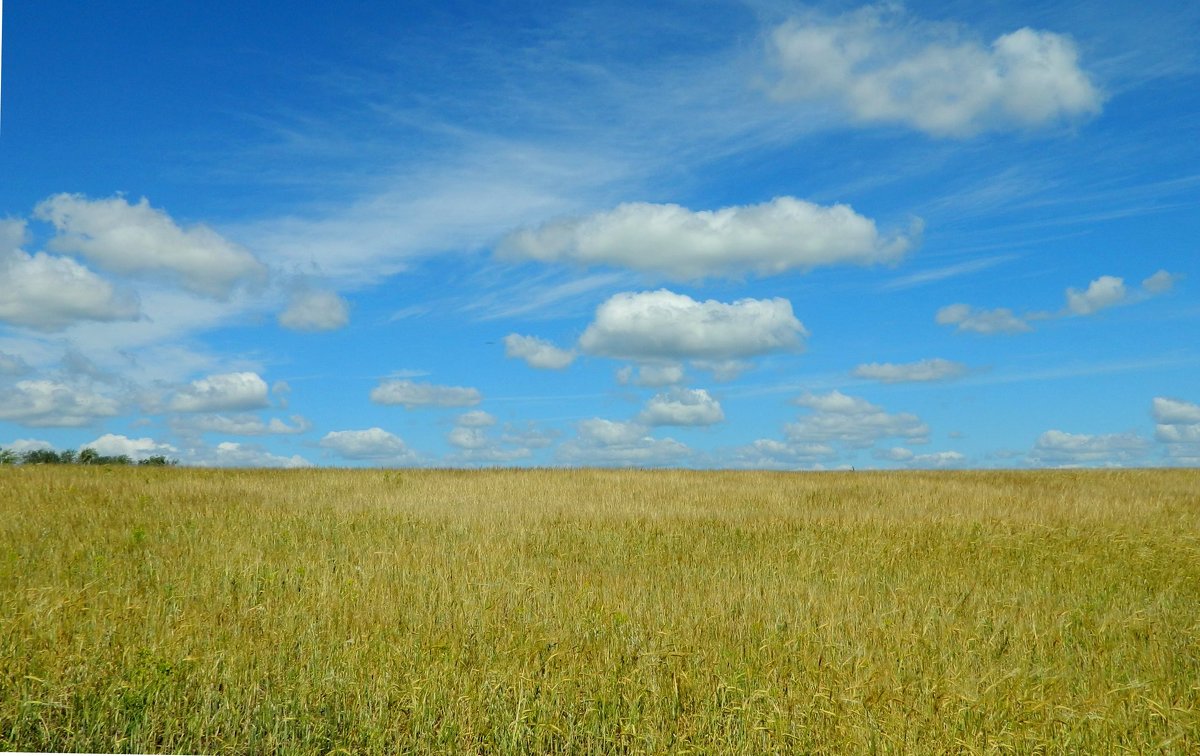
{"points": [[699, 234]]}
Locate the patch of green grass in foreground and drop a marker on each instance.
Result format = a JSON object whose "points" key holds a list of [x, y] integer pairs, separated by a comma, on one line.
{"points": [[582, 611]]}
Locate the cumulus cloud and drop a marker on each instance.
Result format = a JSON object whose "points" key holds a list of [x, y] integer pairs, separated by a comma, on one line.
{"points": [[373, 444], [315, 311], [113, 445], [476, 419], [412, 395], [476, 444], [48, 293], [222, 393], [613, 443], [536, 352], [45, 403], [664, 326], [1055, 448], [880, 65], [682, 407], [242, 425], [907, 457], [681, 244], [772, 454], [967, 318], [234, 454], [1160, 283], [852, 421], [1178, 426], [1103, 292], [651, 375], [936, 369], [22, 445], [139, 239]]}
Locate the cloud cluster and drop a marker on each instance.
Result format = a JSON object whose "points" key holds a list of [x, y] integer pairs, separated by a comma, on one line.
{"points": [[411, 395], [138, 239], [879, 65], [1177, 424], [1102, 293], [682, 406], [114, 445], [313, 311], [241, 425], [605, 443], [234, 454], [967, 318], [1056, 448], [852, 421], [537, 353], [681, 244], [654, 326], [373, 444], [923, 371], [475, 443], [227, 392], [47, 403], [47, 292]]}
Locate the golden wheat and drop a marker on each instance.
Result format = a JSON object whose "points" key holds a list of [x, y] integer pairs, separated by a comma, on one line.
{"points": [[581, 611]]}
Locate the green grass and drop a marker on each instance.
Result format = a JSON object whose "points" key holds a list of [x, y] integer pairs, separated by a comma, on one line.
{"points": [[577, 611]]}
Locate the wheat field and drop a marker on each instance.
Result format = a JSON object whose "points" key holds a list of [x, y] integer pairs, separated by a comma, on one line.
{"points": [[586, 611]]}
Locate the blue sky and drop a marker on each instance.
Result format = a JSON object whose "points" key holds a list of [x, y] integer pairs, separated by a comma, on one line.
{"points": [[704, 234]]}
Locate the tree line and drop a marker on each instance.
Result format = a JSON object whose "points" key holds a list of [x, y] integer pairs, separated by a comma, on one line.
{"points": [[85, 456]]}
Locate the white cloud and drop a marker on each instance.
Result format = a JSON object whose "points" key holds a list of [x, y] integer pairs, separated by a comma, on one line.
{"points": [[936, 369], [852, 421], [968, 318], [222, 393], [681, 244], [1178, 426], [661, 325], [315, 311], [476, 419], [651, 375], [879, 65], [412, 395], [242, 425], [608, 442], [134, 239], [112, 445], [536, 352], [1160, 283], [1175, 411], [1056, 448], [22, 445], [908, 458], [374, 444], [682, 407], [48, 293], [769, 453], [234, 454], [468, 438], [44, 403], [1105, 291]]}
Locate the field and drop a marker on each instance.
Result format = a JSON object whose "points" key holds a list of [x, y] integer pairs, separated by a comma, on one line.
{"points": [[580, 611]]}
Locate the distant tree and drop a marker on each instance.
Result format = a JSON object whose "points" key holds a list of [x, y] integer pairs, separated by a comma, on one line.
{"points": [[66, 457], [157, 460], [9, 457], [88, 456], [40, 457]]}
